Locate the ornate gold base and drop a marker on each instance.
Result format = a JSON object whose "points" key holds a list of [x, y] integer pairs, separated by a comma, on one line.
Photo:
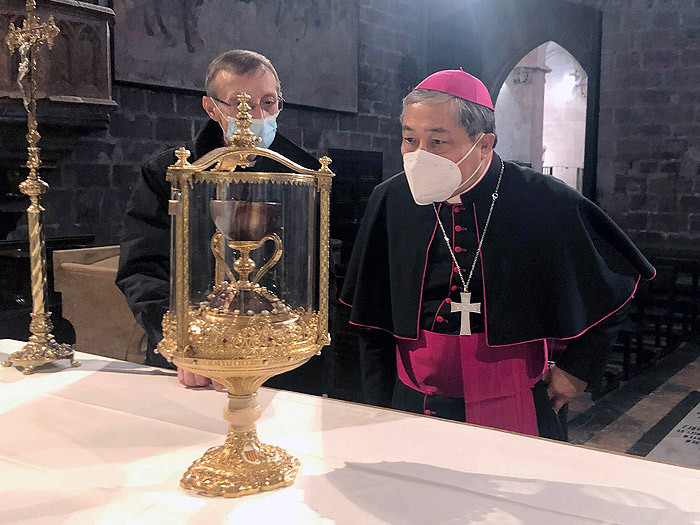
{"points": [[241, 466], [36, 354]]}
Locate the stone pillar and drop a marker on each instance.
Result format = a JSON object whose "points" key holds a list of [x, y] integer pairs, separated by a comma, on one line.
{"points": [[520, 110]]}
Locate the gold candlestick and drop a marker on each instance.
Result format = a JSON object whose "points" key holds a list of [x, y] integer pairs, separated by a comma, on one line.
{"points": [[42, 348]]}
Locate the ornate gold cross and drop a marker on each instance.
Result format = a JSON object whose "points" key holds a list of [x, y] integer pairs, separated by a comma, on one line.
{"points": [[32, 32], [27, 39], [42, 348]]}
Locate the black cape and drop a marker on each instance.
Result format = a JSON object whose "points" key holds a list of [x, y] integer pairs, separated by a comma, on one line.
{"points": [[554, 264]]}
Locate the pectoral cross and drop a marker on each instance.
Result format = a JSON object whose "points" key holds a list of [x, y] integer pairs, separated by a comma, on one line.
{"points": [[465, 308]]}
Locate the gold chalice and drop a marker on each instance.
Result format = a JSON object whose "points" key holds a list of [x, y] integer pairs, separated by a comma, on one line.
{"points": [[246, 226]]}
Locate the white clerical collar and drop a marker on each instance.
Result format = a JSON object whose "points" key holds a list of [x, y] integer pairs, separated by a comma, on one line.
{"points": [[457, 199]]}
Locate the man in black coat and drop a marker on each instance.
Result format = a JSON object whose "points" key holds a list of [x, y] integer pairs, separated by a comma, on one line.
{"points": [[144, 262]]}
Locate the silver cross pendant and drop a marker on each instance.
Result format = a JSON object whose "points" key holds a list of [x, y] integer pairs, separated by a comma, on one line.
{"points": [[465, 307]]}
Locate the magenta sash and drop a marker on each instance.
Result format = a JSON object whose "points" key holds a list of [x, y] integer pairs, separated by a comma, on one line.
{"points": [[495, 382]]}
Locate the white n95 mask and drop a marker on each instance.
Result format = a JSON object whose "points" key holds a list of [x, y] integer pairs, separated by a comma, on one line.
{"points": [[433, 178]]}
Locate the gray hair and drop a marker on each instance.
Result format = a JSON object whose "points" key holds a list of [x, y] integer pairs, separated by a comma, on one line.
{"points": [[474, 118], [241, 62]]}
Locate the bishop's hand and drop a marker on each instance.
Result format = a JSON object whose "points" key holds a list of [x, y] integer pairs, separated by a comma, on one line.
{"points": [[562, 387]]}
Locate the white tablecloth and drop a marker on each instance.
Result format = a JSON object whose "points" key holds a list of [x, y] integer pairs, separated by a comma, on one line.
{"points": [[109, 441]]}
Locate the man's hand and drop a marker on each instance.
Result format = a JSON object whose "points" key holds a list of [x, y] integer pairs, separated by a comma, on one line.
{"points": [[562, 386], [188, 378]]}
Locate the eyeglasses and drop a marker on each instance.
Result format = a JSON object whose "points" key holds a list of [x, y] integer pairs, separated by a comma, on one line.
{"points": [[269, 105]]}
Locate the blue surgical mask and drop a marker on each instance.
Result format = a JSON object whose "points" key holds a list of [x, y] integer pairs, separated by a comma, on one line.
{"points": [[265, 128]]}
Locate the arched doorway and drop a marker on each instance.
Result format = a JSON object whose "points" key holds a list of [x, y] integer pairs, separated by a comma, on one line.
{"points": [[489, 37], [541, 113]]}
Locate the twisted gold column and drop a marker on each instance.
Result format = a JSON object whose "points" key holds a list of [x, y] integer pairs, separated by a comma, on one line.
{"points": [[42, 348], [324, 184]]}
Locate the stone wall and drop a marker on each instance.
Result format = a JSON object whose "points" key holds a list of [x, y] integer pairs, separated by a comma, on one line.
{"points": [[90, 189], [649, 144], [648, 149]]}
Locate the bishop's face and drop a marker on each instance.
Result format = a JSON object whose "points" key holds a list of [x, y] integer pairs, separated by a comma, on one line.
{"points": [[433, 128]]}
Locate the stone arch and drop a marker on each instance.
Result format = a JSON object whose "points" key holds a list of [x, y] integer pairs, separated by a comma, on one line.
{"points": [[541, 113], [61, 59], [87, 44], [489, 37]]}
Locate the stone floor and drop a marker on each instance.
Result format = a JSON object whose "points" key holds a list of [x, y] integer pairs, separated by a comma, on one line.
{"points": [[635, 417]]}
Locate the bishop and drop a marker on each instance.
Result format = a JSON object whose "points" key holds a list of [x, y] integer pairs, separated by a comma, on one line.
{"points": [[548, 268]]}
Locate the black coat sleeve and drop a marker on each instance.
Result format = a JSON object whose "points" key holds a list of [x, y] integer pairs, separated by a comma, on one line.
{"points": [[585, 357], [144, 261], [367, 287], [378, 366]]}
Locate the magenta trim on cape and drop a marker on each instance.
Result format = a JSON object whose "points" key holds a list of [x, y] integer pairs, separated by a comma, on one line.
{"points": [[483, 282], [420, 302], [425, 269]]}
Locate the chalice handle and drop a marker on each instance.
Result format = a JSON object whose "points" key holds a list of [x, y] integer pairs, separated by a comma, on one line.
{"points": [[273, 260], [217, 241]]}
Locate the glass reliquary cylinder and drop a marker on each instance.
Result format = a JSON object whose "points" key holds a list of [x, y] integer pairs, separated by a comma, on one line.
{"points": [[249, 292]]}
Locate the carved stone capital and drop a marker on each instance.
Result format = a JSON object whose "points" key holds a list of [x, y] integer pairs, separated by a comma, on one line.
{"points": [[525, 74]]}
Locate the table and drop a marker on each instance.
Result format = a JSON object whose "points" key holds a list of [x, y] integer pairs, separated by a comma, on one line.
{"points": [[108, 442]]}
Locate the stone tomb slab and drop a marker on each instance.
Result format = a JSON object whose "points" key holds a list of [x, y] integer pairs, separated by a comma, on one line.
{"points": [[682, 444]]}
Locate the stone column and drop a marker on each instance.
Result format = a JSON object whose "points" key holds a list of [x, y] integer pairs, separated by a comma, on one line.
{"points": [[520, 110]]}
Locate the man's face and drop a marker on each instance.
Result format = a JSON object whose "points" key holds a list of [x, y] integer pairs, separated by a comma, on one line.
{"points": [[432, 127], [259, 84]]}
